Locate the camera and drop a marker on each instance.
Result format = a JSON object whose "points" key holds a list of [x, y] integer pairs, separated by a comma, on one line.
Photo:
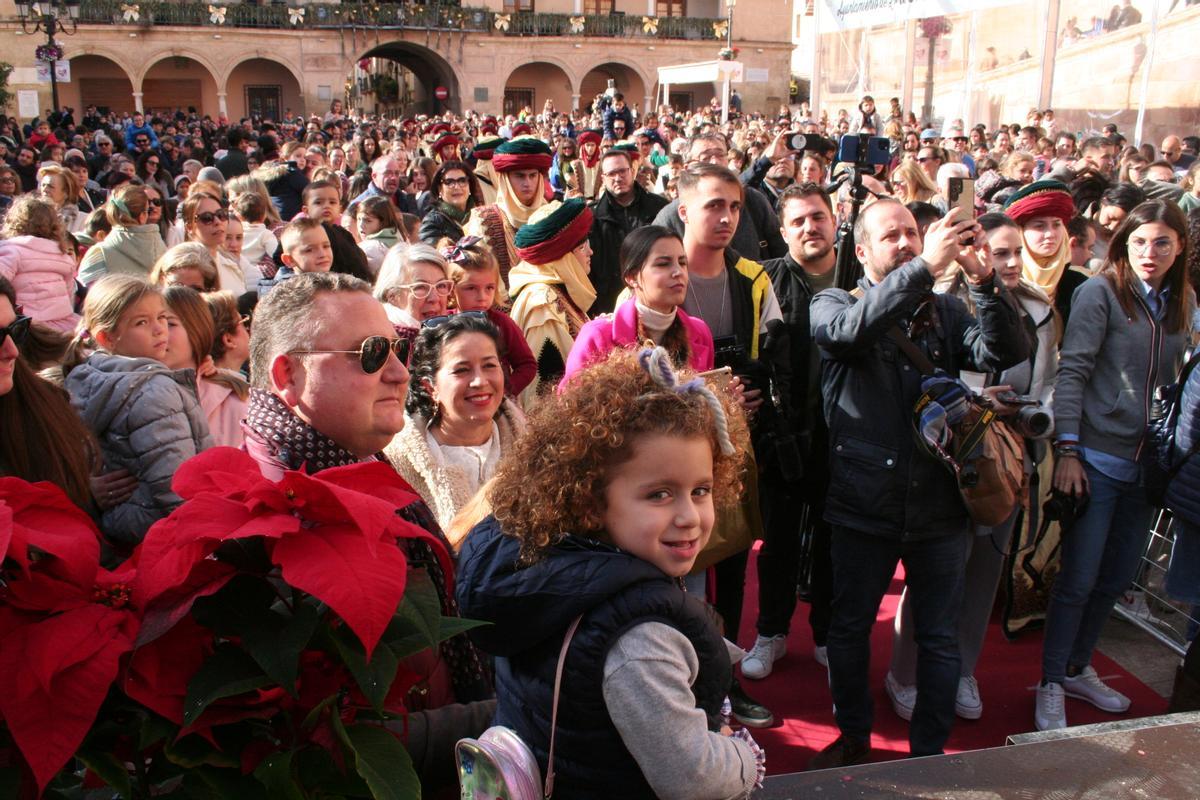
{"points": [[1032, 422], [810, 142]]}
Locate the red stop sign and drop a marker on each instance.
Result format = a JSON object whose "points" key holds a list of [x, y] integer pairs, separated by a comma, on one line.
{"points": [[441, 93]]}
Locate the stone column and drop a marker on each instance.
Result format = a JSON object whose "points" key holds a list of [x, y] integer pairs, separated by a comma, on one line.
{"points": [[222, 104], [137, 102]]}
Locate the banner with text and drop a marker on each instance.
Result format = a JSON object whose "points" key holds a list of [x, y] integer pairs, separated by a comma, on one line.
{"points": [[848, 14]]}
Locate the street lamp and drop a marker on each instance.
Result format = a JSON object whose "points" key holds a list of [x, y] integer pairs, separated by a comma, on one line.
{"points": [[49, 16], [729, 30]]}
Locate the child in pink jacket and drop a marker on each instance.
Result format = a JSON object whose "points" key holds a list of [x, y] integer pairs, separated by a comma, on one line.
{"points": [[36, 259]]}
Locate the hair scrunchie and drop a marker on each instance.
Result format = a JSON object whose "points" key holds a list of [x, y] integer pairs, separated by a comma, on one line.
{"points": [[657, 362]]}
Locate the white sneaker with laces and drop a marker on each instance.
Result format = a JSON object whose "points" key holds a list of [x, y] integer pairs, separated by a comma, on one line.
{"points": [[967, 703], [821, 655], [1088, 686], [762, 657], [1049, 713], [903, 697]]}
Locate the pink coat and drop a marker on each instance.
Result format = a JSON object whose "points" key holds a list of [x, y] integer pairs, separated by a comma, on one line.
{"points": [[44, 278], [606, 333]]}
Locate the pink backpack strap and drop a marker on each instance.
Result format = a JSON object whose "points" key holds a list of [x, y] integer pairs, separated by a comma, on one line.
{"points": [[558, 671]]}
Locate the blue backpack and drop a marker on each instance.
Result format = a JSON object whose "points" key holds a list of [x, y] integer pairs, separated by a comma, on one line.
{"points": [[1159, 462]]}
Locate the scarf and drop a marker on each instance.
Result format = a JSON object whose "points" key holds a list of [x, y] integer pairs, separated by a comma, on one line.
{"points": [[385, 236], [460, 217], [656, 323], [1046, 275], [517, 212], [567, 271], [297, 445]]}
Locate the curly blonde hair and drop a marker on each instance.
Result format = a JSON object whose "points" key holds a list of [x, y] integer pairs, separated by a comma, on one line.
{"points": [[31, 215], [552, 481]]}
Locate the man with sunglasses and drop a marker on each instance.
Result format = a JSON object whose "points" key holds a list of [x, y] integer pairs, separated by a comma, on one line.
{"points": [[329, 384]]}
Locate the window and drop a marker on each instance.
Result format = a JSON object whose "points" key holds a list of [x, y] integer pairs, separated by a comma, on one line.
{"points": [[597, 7], [671, 8], [517, 5]]}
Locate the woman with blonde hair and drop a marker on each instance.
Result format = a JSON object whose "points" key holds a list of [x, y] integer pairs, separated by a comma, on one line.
{"points": [[1019, 166], [205, 220], [59, 186], [187, 264], [37, 260], [133, 245], [414, 285], [911, 184], [248, 184], [190, 337], [231, 332]]}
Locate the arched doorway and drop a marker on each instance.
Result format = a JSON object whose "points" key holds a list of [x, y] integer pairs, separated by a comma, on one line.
{"points": [[400, 78], [533, 84], [97, 81], [179, 83], [260, 87], [626, 79]]}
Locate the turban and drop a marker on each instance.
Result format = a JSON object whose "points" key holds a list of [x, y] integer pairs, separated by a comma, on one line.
{"points": [[523, 153], [483, 150], [555, 235], [1045, 198], [590, 135]]}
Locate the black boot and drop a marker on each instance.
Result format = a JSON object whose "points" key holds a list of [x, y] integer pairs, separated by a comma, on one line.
{"points": [[843, 752], [747, 710]]}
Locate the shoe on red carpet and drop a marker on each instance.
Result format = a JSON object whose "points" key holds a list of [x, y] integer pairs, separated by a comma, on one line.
{"points": [[1049, 713], [747, 710], [967, 703], [903, 697], [1088, 686], [844, 751], [762, 657], [821, 655]]}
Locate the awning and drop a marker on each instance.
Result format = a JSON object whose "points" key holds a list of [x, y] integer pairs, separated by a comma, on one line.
{"points": [[701, 72]]}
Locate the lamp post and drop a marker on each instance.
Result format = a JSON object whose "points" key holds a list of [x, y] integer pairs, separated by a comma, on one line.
{"points": [[53, 17], [729, 31]]}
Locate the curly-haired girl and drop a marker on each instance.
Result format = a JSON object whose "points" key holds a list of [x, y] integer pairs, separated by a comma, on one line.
{"points": [[599, 510]]}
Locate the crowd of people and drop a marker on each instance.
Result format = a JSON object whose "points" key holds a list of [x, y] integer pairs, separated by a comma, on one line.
{"points": [[610, 350]]}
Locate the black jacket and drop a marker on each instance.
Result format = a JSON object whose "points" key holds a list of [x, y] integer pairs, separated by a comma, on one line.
{"points": [[757, 236], [882, 482], [611, 223], [435, 225], [233, 164]]}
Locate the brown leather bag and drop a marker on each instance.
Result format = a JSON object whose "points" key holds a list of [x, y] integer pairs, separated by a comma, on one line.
{"points": [[986, 456]]}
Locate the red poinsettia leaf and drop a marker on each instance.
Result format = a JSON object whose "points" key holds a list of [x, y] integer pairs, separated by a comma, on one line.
{"points": [[48, 724], [47, 530], [6, 528], [334, 564], [380, 481], [220, 470], [259, 704], [403, 529], [312, 498], [162, 612], [158, 673]]}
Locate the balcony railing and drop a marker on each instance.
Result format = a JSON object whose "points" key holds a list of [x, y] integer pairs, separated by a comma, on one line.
{"points": [[390, 16]]}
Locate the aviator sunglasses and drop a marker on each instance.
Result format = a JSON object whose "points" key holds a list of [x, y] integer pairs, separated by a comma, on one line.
{"points": [[372, 353]]}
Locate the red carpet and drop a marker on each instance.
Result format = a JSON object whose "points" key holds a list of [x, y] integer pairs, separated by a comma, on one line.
{"points": [[797, 691]]}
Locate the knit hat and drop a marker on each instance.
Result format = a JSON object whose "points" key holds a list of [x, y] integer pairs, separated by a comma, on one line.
{"points": [[486, 146], [556, 234], [1044, 198], [524, 153], [590, 135], [180, 178]]}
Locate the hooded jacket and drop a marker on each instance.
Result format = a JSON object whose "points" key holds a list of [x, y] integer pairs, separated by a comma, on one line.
{"points": [[128, 250], [531, 607], [148, 421], [44, 279]]}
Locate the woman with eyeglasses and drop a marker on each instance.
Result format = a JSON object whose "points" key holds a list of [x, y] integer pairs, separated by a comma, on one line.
{"points": [[458, 423], [231, 333], [151, 173], [44, 438], [414, 285], [133, 245], [1126, 337], [10, 182], [457, 192], [38, 261], [205, 220]]}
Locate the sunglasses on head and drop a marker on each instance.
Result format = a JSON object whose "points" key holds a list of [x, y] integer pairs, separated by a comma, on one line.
{"points": [[436, 322], [372, 353], [208, 217], [17, 329]]}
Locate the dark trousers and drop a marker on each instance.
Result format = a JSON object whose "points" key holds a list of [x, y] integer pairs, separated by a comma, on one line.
{"points": [[779, 563], [863, 566]]}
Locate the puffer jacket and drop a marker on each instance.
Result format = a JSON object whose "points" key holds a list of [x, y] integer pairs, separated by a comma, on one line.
{"points": [[128, 250], [148, 421], [44, 278]]}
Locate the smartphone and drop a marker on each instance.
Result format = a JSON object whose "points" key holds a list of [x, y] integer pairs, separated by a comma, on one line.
{"points": [[962, 195], [719, 378], [1014, 399], [878, 149]]}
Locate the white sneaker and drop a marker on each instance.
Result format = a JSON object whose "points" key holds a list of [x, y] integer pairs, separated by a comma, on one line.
{"points": [[762, 657], [1049, 714], [821, 655], [1088, 686], [967, 703], [903, 697]]}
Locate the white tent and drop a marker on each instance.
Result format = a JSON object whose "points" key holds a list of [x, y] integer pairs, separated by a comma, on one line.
{"points": [[723, 72]]}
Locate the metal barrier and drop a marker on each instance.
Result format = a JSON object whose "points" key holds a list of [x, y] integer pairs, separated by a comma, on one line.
{"points": [[1147, 605]]}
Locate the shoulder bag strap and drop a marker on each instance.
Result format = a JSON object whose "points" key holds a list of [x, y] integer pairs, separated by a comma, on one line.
{"points": [[919, 359], [548, 789]]}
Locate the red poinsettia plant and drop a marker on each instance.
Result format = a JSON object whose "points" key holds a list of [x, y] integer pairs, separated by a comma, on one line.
{"points": [[252, 646]]}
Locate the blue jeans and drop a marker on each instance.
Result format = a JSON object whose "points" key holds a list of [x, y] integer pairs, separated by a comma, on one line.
{"points": [[863, 566], [1100, 556]]}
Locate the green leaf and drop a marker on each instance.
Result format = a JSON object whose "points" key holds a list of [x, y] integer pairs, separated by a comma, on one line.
{"points": [[10, 782], [228, 671], [383, 763], [195, 751], [374, 677], [223, 784], [275, 774], [153, 730], [108, 769], [311, 718]]}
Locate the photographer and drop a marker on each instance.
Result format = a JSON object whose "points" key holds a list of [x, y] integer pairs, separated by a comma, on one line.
{"points": [[1033, 381], [734, 297]]}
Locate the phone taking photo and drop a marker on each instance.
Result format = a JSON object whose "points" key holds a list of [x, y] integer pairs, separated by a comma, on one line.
{"points": [[961, 194]]}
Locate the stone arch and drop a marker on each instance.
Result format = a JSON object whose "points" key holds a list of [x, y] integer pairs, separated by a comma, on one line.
{"points": [[630, 79], [534, 82], [428, 70], [99, 79], [262, 85], [182, 79]]}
